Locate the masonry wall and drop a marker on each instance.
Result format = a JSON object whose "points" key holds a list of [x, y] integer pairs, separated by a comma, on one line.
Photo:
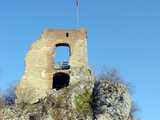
{"points": [[39, 62]]}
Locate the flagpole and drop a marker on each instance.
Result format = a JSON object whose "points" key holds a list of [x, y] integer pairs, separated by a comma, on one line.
{"points": [[77, 13], [77, 18]]}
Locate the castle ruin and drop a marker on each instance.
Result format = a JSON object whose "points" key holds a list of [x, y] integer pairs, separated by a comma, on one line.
{"points": [[43, 74], [67, 89]]}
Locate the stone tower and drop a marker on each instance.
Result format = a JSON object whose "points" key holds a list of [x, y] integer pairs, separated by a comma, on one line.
{"points": [[50, 90], [43, 74]]}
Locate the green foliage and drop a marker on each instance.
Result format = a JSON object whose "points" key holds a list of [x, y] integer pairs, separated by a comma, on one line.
{"points": [[83, 102]]}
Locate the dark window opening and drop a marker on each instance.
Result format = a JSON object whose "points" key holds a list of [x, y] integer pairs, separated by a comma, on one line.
{"points": [[60, 80], [67, 34], [62, 56]]}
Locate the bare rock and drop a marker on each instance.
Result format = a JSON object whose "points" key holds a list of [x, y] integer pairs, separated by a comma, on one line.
{"points": [[111, 100]]}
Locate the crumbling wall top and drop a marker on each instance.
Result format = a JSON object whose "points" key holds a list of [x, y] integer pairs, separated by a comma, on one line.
{"points": [[65, 33]]}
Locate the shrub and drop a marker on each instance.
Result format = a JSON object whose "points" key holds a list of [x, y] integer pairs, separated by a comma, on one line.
{"points": [[134, 110], [83, 103], [2, 102]]}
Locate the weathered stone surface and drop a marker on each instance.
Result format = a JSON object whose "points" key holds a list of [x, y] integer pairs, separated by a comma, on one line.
{"points": [[40, 65], [71, 103], [111, 101], [104, 100]]}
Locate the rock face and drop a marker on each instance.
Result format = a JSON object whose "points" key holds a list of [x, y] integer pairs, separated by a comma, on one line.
{"points": [[104, 100], [111, 101], [70, 103]]}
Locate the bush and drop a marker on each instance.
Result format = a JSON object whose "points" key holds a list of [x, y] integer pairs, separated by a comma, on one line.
{"points": [[2, 102], [83, 103], [10, 96], [7, 97], [134, 110]]}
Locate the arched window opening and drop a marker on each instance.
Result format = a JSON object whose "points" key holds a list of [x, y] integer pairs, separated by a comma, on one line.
{"points": [[60, 80], [62, 56], [67, 34]]}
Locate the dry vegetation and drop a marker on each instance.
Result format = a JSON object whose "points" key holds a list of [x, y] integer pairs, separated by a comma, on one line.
{"points": [[2, 103], [7, 97]]}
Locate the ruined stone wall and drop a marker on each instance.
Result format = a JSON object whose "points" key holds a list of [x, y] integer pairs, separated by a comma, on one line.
{"points": [[85, 98], [40, 65]]}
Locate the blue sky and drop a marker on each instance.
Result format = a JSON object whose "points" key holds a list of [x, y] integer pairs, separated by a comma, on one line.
{"points": [[123, 34]]}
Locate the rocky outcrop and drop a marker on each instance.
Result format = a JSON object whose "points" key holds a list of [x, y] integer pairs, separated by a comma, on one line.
{"points": [[102, 100], [111, 100], [70, 103]]}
